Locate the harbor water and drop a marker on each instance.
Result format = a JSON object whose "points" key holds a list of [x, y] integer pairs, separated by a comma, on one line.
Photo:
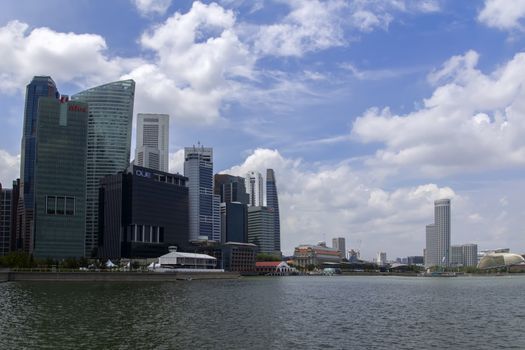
{"points": [[340, 312]]}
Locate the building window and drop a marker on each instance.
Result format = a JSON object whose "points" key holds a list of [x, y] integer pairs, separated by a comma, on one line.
{"points": [[70, 206], [51, 205], [60, 205]]}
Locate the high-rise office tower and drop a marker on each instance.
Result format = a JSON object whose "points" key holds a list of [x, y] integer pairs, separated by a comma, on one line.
{"points": [[5, 220], [198, 168], [340, 244], [60, 179], [216, 215], [230, 188], [40, 86], [470, 254], [16, 242], [261, 228], [234, 209], [152, 150], [254, 187], [438, 235], [234, 222], [272, 202], [109, 141]]}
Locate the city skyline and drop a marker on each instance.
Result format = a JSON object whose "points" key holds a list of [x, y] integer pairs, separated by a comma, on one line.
{"points": [[363, 136]]}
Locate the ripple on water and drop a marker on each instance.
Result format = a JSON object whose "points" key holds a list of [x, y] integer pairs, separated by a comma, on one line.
{"points": [[266, 313]]}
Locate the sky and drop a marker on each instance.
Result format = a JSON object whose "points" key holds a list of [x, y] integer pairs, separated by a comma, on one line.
{"points": [[368, 110]]}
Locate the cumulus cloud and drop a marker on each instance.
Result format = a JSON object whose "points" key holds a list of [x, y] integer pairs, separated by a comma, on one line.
{"points": [[9, 168], [151, 7], [67, 57], [503, 14], [329, 201], [473, 121], [198, 58], [177, 162]]}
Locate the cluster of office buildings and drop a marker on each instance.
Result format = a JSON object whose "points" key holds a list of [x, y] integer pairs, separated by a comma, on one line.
{"points": [[439, 251], [80, 196]]}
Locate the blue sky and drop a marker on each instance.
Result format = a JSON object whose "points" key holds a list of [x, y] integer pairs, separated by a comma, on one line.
{"points": [[368, 110]]}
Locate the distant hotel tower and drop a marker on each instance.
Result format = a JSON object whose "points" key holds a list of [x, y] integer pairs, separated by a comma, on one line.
{"points": [[108, 143], [60, 178], [437, 252], [152, 141], [272, 202], [204, 206], [40, 86]]}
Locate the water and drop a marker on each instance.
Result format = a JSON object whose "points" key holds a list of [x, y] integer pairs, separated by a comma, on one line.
{"points": [[267, 313]]}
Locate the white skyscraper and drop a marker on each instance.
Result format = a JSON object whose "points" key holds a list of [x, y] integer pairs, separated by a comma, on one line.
{"points": [[438, 236], [254, 187], [152, 149], [381, 259]]}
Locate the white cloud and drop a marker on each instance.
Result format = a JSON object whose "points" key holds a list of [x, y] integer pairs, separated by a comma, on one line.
{"points": [[332, 201], [9, 168], [198, 59], [76, 58], [151, 7], [503, 14], [177, 162], [472, 122], [310, 26]]}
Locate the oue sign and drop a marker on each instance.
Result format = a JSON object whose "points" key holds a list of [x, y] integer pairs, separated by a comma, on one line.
{"points": [[143, 173], [76, 108]]}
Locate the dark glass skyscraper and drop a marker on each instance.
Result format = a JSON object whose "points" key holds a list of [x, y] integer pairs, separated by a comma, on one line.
{"points": [[272, 202], [60, 179], [230, 188], [108, 144], [5, 220], [40, 86]]}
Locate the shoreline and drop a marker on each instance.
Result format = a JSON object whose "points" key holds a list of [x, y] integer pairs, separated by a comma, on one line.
{"points": [[28, 276]]}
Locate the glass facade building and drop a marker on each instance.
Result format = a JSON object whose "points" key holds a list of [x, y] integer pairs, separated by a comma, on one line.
{"points": [[40, 86], [60, 179], [142, 213], [261, 228], [108, 143], [272, 201], [5, 220], [198, 168]]}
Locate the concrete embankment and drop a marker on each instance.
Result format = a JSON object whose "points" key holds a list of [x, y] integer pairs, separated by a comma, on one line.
{"points": [[18, 276]]}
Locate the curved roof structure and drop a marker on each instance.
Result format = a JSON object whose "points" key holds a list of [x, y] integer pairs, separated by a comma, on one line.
{"points": [[497, 260]]}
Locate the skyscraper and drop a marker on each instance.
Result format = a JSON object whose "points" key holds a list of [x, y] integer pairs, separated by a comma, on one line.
{"points": [[5, 220], [230, 188], [109, 141], [60, 179], [198, 168], [272, 202], [254, 188], [152, 149], [340, 244], [40, 86], [261, 229], [438, 235]]}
